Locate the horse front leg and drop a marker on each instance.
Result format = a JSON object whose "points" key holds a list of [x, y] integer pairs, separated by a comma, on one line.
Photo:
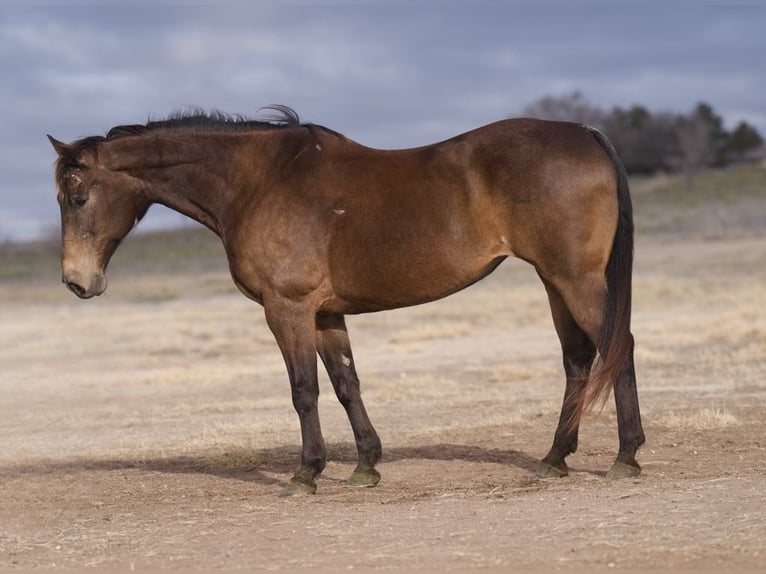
{"points": [[335, 350], [293, 326]]}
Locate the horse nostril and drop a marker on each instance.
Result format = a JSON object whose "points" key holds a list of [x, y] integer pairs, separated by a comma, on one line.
{"points": [[75, 288]]}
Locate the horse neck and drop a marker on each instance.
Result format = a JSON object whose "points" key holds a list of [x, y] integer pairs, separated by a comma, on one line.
{"points": [[198, 175], [191, 189]]}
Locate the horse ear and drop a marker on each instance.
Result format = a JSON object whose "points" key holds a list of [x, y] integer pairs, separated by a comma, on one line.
{"points": [[61, 148]]}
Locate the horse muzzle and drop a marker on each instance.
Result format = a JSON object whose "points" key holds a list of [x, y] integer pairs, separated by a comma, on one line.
{"points": [[85, 289]]}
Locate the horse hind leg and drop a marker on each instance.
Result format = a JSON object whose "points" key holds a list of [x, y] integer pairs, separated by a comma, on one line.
{"points": [[578, 308], [579, 353], [628, 424], [335, 351]]}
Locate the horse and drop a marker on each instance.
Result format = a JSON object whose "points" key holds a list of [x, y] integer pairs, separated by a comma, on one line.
{"points": [[316, 226]]}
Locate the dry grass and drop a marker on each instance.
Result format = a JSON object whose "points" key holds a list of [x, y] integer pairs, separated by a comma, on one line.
{"points": [[723, 203], [705, 419]]}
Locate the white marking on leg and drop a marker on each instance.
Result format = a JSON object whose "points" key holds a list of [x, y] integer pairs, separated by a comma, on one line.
{"points": [[345, 360]]}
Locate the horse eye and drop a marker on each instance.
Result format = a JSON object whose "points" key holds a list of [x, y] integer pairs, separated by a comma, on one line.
{"points": [[79, 200]]}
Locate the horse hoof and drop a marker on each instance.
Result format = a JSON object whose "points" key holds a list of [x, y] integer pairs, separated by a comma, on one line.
{"points": [[623, 470], [299, 487], [545, 470], [364, 478]]}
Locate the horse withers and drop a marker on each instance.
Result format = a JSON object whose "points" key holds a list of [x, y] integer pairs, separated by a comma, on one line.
{"points": [[316, 226]]}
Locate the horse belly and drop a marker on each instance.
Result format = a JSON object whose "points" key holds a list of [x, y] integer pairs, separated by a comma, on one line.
{"points": [[371, 272]]}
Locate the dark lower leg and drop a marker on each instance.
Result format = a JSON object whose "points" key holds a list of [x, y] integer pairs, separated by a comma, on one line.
{"points": [[293, 328], [305, 393], [629, 428], [578, 351], [565, 439], [367, 442], [313, 454], [577, 367], [335, 350]]}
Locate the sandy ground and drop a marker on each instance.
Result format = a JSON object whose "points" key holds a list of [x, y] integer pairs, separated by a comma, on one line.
{"points": [[153, 428]]}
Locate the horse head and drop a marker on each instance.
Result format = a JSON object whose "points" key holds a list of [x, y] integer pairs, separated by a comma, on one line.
{"points": [[99, 207]]}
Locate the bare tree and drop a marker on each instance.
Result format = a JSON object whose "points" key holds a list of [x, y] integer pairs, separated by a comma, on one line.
{"points": [[572, 107], [647, 142], [695, 143]]}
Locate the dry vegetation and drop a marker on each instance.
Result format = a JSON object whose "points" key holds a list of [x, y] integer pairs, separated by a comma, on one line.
{"points": [[153, 427]]}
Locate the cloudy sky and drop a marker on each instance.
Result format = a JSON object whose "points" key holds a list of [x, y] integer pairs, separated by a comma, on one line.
{"points": [[387, 74]]}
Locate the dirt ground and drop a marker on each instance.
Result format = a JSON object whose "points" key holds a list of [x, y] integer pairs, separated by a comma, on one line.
{"points": [[152, 428]]}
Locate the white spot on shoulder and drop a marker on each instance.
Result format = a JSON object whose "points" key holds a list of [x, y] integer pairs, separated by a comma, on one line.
{"points": [[339, 211], [319, 147], [503, 240], [345, 360]]}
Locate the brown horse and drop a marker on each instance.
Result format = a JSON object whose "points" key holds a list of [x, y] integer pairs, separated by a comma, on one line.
{"points": [[316, 226]]}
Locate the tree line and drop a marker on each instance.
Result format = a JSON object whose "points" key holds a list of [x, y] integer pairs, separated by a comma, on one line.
{"points": [[651, 142]]}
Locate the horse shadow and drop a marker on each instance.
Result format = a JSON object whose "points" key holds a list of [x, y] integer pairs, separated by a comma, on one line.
{"points": [[266, 466]]}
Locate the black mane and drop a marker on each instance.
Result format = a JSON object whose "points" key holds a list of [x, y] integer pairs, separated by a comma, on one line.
{"points": [[273, 117], [197, 119]]}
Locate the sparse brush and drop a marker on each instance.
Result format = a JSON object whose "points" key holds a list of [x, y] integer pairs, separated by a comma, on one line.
{"points": [[708, 418]]}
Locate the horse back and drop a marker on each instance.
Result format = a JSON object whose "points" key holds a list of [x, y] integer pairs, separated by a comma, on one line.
{"points": [[409, 226]]}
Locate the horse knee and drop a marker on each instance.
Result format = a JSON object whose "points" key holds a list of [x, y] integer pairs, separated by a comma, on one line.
{"points": [[346, 390], [305, 397]]}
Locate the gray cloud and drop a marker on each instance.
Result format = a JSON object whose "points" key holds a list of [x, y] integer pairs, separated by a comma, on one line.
{"points": [[387, 76]]}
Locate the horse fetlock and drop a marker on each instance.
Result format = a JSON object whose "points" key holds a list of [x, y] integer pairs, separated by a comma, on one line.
{"points": [[370, 451], [312, 467]]}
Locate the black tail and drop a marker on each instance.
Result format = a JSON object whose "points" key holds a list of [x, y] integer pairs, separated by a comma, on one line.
{"points": [[616, 342]]}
